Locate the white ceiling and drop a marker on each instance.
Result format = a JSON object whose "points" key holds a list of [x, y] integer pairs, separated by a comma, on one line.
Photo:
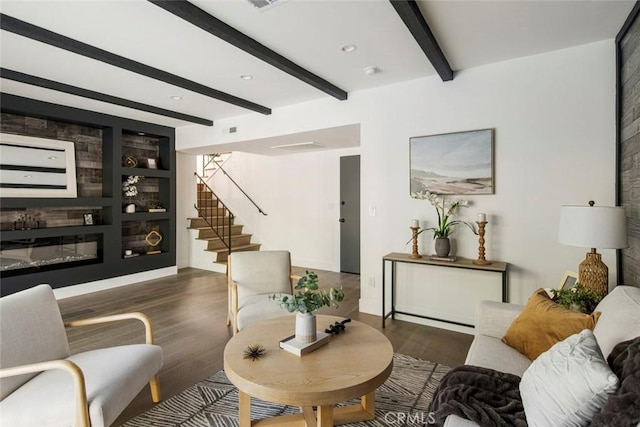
{"points": [[308, 32]]}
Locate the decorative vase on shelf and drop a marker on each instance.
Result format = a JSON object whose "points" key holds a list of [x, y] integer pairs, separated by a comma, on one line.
{"points": [[130, 208], [443, 246], [306, 327]]}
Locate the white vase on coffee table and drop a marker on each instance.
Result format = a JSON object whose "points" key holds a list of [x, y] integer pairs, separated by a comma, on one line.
{"points": [[306, 327]]}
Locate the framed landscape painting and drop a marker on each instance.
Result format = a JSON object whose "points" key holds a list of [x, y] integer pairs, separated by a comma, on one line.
{"points": [[452, 163]]}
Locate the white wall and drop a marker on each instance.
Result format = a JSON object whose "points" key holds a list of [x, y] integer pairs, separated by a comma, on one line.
{"points": [[186, 185], [554, 121], [299, 193]]}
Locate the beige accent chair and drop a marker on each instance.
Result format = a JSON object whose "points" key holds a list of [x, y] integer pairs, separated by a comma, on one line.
{"points": [[252, 277], [42, 384]]}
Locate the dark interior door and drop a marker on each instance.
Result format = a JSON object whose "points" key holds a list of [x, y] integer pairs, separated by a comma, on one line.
{"points": [[350, 214]]}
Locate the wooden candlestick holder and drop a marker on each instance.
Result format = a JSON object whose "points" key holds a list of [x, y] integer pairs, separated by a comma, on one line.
{"points": [[481, 260], [414, 251]]}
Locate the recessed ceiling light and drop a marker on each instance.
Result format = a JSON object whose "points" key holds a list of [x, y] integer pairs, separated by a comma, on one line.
{"points": [[52, 157], [176, 98], [371, 70], [141, 133], [348, 48], [246, 77]]}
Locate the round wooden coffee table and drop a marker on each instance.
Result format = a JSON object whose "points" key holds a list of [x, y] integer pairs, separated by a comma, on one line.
{"points": [[352, 364]]}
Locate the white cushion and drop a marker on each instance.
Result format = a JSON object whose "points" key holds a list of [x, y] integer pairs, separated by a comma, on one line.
{"points": [[620, 318], [490, 352], [258, 308], [113, 377], [32, 331], [456, 421], [494, 318], [261, 272], [568, 384]]}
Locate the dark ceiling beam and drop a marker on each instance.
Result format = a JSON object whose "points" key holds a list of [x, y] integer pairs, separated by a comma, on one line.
{"points": [[16, 26], [85, 93], [417, 25], [216, 27]]}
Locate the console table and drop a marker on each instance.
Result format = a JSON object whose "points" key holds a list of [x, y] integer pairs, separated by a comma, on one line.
{"points": [[394, 258]]}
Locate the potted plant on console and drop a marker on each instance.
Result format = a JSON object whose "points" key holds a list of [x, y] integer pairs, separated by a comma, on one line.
{"points": [[445, 208], [308, 299], [578, 298]]}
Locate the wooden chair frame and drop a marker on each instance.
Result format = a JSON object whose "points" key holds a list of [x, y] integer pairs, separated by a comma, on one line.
{"points": [[82, 405]]}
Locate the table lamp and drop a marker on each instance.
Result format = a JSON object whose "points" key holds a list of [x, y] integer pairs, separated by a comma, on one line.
{"points": [[602, 227]]}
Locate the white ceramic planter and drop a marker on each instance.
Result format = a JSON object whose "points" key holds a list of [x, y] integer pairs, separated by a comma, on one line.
{"points": [[306, 327]]}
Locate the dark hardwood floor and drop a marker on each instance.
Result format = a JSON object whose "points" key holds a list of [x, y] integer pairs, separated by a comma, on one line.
{"points": [[189, 313]]}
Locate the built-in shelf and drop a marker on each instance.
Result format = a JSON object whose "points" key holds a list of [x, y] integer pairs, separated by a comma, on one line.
{"points": [[145, 262], [143, 255], [157, 173], [105, 140], [17, 203], [146, 216], [54, 231]]}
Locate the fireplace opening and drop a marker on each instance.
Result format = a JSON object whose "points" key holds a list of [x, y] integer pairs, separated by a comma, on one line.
{"points": [[26, 256]]}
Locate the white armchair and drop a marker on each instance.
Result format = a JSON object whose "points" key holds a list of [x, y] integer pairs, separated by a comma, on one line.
{"points": [[44, 385], [252, 277]]}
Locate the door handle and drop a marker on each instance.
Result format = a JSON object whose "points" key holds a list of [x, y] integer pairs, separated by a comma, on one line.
{"points": [[341, 220]]}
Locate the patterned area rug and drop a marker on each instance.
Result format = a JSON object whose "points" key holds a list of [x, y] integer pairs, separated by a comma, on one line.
{"points": [[403, 400]]}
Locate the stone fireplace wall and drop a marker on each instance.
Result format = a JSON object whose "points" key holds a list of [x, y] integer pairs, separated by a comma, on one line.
{"points": [[88, 149], [629, 154]]}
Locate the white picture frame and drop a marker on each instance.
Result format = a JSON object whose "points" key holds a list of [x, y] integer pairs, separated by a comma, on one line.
{"points": [[452, 163], [37, 167], [568, 280]]}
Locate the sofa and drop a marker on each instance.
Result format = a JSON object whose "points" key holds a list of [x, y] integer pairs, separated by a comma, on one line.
{"points": [[619, 321]]}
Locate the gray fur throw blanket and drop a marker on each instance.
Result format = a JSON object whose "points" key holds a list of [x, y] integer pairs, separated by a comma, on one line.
{"points": [[482, 395]]}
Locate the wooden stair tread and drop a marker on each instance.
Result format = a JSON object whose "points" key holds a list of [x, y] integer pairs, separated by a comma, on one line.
{"points": [[233, 236], [208, 228], [248, 247], [200, 217], [210, 206]]}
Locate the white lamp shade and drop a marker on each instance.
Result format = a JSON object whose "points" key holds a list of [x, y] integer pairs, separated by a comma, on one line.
{"points": [[600, 227]]}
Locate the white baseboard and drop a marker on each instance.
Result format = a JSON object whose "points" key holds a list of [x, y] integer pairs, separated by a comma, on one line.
{"points": [[436, 324], [373, 306], [311, 264], [369, 306], [114, 282]]}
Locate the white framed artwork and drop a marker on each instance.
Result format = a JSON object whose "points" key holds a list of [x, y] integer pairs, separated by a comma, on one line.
{"points": [[37, 167], [452, 163]]}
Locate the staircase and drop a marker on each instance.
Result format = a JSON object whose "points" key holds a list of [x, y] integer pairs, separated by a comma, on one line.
{"points": [[217, 228]]}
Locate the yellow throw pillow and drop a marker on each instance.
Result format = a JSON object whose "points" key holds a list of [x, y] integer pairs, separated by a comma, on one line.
{"points": [[542, 323]]}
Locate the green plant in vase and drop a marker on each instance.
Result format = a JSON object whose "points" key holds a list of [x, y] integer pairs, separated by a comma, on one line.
{"points": [[577, 298], [308, 299], [446, 209]]}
